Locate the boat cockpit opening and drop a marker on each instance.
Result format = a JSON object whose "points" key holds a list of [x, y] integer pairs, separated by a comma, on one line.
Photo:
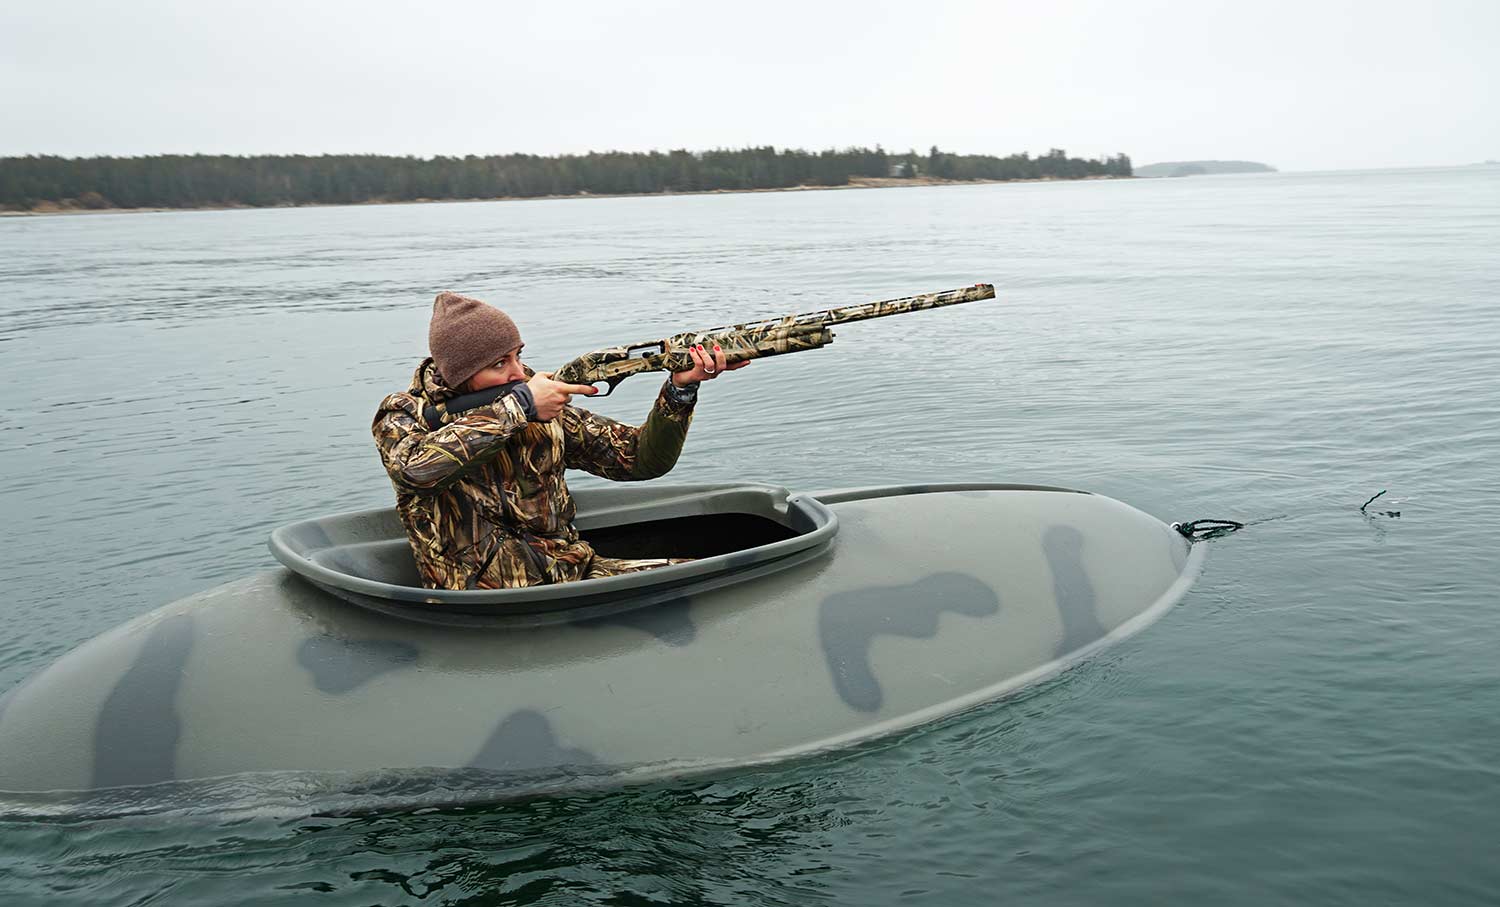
{"points": [[727, 533], [689, 536]]}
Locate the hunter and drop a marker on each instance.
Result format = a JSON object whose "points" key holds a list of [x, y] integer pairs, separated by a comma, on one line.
{"points": [[483, 498]]}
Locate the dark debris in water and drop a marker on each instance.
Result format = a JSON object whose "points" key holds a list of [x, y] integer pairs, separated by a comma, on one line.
{"points": [[1389, 513]]}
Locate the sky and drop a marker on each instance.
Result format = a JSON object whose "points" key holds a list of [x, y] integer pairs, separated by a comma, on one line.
{"points": [[1313, 85]]}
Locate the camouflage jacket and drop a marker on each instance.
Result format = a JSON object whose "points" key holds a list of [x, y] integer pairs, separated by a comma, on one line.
{"points": [[483, 498]]}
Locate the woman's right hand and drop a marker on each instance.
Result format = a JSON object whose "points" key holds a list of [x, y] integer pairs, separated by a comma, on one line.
{"points": [[551, 396]]}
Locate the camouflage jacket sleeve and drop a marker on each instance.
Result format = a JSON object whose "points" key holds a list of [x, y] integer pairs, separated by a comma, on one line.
{"points": [[623, 452], [421, 461]]}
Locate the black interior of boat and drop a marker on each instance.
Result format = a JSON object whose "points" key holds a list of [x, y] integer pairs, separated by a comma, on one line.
{"points": [[689, 536]]}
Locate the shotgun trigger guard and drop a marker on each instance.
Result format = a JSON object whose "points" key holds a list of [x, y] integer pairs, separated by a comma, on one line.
{"points": [[613, 383]]}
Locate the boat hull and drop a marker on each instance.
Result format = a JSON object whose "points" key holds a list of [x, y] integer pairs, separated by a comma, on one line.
{"points": [[927, 603]]}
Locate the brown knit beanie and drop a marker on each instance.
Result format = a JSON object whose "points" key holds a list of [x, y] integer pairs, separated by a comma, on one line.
{"points": [[467, 335]]}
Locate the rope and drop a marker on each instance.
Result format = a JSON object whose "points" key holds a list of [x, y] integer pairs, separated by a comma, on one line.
{"points": [[1390, 513], [1202, 530]]}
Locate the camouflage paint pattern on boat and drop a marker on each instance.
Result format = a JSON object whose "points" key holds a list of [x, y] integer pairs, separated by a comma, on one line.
{"points": [[928, 601]]}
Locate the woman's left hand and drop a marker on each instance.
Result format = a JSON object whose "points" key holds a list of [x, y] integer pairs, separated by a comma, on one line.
{"points": [[707, 365]]}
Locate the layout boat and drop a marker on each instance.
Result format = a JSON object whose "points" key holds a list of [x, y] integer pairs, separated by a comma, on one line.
{"points": [[807, 622]]}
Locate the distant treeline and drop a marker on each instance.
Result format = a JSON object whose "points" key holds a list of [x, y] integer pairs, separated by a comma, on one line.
{"points": [[1199, 168], [196, 181]]}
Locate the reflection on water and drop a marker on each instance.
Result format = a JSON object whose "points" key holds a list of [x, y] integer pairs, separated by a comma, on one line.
{"points": [[1315, 724]]}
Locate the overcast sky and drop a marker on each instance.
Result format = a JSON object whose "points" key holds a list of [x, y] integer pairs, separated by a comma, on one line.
{"points": [[1302, 86]]}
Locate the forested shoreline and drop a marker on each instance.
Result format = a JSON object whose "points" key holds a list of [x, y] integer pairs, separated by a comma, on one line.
{"points": [[44, 182]]}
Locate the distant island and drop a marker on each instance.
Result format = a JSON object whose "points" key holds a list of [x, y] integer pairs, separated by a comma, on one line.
{"points": [[48, 184], [1199, 168]]}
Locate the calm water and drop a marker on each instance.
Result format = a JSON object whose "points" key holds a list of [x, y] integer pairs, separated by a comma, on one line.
{"points": [[1317, 723]]}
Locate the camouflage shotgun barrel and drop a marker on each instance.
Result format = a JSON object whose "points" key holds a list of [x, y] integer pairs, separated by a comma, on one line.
{"points": [[752, 340]]}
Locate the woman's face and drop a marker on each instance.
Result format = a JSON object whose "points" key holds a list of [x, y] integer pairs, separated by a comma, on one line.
{"points": [[508, 369]]}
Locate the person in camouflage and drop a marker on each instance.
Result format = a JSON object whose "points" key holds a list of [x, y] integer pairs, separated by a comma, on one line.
{"points": [[483, 497]]}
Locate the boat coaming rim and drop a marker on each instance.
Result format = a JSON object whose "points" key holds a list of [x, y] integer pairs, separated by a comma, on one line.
{"points": [[821, 526], [582, 609]]}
